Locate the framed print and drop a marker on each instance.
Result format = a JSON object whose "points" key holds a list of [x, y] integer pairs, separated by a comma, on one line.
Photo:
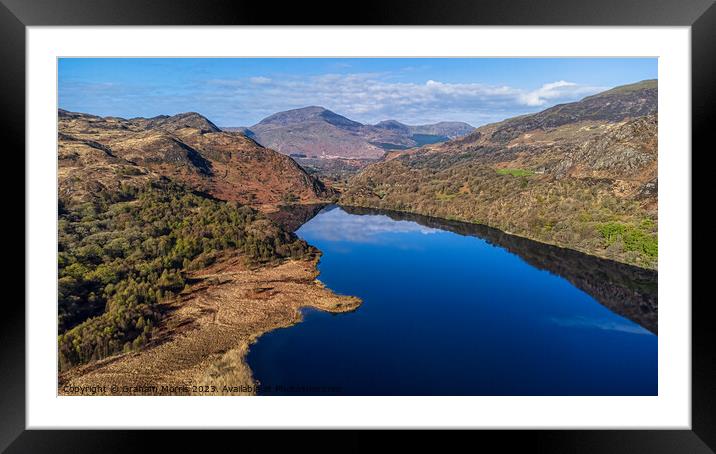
{"points": [[434, 217]]}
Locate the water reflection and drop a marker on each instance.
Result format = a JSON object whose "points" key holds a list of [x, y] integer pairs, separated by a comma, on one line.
{"points": [[337, 225], [626, 290], [599, 323], [291, 217], [451, 308]]}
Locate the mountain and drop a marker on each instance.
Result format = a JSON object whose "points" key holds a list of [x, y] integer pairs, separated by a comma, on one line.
{"points": [[446, 129], [104, 153], [318, 133], [610, 106], [581, 175], [450, 129]]}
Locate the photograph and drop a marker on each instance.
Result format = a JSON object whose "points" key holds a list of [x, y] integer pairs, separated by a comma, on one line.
{"points": [[467, 219], [357, 226]]}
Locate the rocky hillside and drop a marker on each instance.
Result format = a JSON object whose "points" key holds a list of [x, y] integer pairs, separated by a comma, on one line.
{"points": [[103, 153], [317, 133], [581, 175]]}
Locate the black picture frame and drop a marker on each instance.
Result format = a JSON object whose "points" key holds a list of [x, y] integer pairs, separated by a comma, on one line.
{"points": [[16, 15]]}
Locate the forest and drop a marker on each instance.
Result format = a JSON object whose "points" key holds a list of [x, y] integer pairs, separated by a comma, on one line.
{"points": [[124, 252]]}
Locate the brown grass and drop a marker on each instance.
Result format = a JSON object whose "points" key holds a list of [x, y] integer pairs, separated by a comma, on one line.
{"points": [[203, 340]]}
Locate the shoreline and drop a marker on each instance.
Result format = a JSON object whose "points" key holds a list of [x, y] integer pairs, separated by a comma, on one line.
{"points": [[561, 246], [201, 344]]}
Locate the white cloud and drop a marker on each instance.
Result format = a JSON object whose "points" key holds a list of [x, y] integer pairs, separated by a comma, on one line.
{"points": [[337, 225], [259, 80], [555, 90], [364, 97], [372, 97]]}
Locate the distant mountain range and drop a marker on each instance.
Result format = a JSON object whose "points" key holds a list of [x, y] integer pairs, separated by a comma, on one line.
{"points": [[581, 175], [316, 132], [102, 154]]}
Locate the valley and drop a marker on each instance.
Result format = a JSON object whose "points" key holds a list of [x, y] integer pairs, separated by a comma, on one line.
{"points": [[183, 247]]}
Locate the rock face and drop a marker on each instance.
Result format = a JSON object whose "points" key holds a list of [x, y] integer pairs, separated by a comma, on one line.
{"points": [[581, 175], [317, 133], [97, 153]]}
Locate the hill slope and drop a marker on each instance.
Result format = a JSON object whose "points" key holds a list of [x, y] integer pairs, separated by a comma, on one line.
{"points": [[97, 152], [581, 175]]}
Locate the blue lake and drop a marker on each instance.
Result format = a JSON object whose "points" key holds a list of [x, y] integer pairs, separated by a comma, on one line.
{"points": [[457, 309]]}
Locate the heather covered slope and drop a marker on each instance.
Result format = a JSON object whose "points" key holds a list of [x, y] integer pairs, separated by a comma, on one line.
{"points": [[581, 175], [97, 153]]}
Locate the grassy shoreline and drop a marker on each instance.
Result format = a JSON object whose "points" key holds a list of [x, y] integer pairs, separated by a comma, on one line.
{"points": [[201, 346]]}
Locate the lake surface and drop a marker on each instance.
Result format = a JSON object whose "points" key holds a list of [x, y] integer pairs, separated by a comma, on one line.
{"points": [[456, 309]]}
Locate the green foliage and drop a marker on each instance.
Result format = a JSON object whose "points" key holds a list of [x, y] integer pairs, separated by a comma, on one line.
{"points": [[611, 231], [632, 238], [515, 172], [121, 255]]}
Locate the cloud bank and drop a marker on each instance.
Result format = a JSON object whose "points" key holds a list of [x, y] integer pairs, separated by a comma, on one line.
{"points": [[365, 97]]}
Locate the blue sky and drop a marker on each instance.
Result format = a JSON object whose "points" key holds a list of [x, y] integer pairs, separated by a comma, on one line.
{"points": [[242, 91]]}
